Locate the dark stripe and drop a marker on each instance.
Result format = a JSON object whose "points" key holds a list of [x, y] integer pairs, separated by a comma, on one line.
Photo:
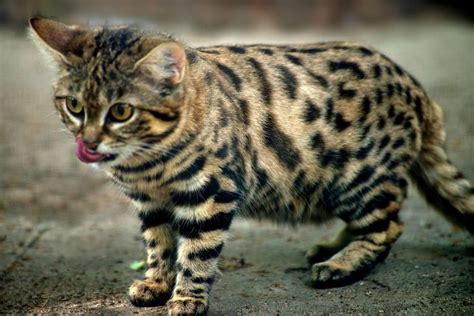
{"points": [[320, 79], [224, 196], [335, 66], [293, 59], [378, 96], [418, 110], [196, 291], [192, 198], [155, 217], [164, 116], [265, 86], [138, 196], [280, 143], [390, 90], [202, 280], [362, 176], [384, 142], [193, 229], [231, 76], [206, 253], [329, 110], [165, 157], [190, 171], [313, 50], [289, 81], [365, 106], [377, 71], [244, 106], [267, 51]]}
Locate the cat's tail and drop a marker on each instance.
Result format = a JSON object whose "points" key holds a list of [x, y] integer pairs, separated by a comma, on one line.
{"points": [[438, 180]]}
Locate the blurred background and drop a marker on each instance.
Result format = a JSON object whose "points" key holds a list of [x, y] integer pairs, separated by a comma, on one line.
{"points": [[67, 237]]}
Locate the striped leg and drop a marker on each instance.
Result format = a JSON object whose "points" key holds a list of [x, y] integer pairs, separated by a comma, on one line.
{"points": [[160, 242], [202, 237], [372, 230]]}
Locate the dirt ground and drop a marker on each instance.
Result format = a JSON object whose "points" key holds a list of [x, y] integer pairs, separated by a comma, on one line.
{"points": [[67, 237]]}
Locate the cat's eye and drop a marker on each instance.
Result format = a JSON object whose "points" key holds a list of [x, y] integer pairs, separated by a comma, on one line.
{"points": [[120, 112], [74, 106]]}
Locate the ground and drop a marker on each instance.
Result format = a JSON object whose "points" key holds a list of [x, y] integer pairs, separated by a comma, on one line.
{"points": [[67, 237]]}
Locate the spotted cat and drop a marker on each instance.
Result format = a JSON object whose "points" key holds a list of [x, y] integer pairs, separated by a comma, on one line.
{"points": [[300, 133]]}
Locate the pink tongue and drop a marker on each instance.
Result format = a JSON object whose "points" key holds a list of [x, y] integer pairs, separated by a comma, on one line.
{"points": [[84, 154]]}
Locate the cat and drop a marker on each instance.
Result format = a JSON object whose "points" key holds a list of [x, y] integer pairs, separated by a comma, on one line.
{"points": [[299, 133]]}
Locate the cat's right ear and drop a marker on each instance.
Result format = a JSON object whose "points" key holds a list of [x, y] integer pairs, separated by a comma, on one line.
{"points": [[59, 41]]}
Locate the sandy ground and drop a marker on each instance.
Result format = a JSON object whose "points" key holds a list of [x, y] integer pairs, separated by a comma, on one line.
{"points": [[67, 238]]}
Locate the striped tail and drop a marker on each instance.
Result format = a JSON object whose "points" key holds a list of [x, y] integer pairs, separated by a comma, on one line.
{"points": [[438, 180]]}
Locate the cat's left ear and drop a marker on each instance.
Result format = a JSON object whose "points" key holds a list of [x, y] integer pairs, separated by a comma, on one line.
{"points": [[59, 41], [167, 61]]}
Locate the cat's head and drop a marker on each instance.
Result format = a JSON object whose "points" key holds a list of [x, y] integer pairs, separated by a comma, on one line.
{"points": [[118, 91]]}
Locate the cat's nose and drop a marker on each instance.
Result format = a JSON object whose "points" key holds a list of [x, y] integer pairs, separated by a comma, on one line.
{"points": [[91, 144]]}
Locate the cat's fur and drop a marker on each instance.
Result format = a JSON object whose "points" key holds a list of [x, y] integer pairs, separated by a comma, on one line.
{"points": [[299, 133]]}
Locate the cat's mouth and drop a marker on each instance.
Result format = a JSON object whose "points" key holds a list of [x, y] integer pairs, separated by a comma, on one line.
{"points": [[86, 155]]}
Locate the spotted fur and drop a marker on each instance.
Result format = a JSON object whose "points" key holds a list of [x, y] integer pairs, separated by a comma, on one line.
{"points": [[299, 133]]}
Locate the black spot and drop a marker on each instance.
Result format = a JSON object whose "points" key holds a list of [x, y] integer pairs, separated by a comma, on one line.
{"points": [[237, 49], [399, 118], [222, 152], [329, 110], [231, 76], [192, 229], [377, 71], [265, 88], [391, 111], [317, 142], [389, 71], [399, 70], [381, 123], [346, 93], [293, 59], [311, 112], [364, 151], [206, 253], [419, 112], [407, 124], [280, 143], [191, 56], [399, 142], [390, 90], [195, 197], [289, 81], [408, 97], [187, 273], [365, 51], [347, 65], [384, 142], [341, 123], [267, 51], [378, 96], [365, 106], [386, 158], [399, 88]]}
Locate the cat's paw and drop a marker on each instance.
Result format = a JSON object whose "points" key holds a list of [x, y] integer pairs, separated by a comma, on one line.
{"points": [[187, 306], [328, 274], [148, 293], [319, 253]]}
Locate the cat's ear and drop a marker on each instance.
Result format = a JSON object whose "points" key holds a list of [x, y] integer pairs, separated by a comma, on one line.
{"points": [[167, 61], [59, 41]]}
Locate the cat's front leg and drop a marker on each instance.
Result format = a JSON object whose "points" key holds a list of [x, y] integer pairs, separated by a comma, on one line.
{"points": [[202, 231], [160, 240]]}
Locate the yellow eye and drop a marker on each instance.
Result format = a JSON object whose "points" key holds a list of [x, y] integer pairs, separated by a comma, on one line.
{"points": [[74, 106], [121, 112]]}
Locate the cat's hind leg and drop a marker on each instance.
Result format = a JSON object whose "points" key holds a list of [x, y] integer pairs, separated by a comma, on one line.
{"points": [[372, 228]]}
